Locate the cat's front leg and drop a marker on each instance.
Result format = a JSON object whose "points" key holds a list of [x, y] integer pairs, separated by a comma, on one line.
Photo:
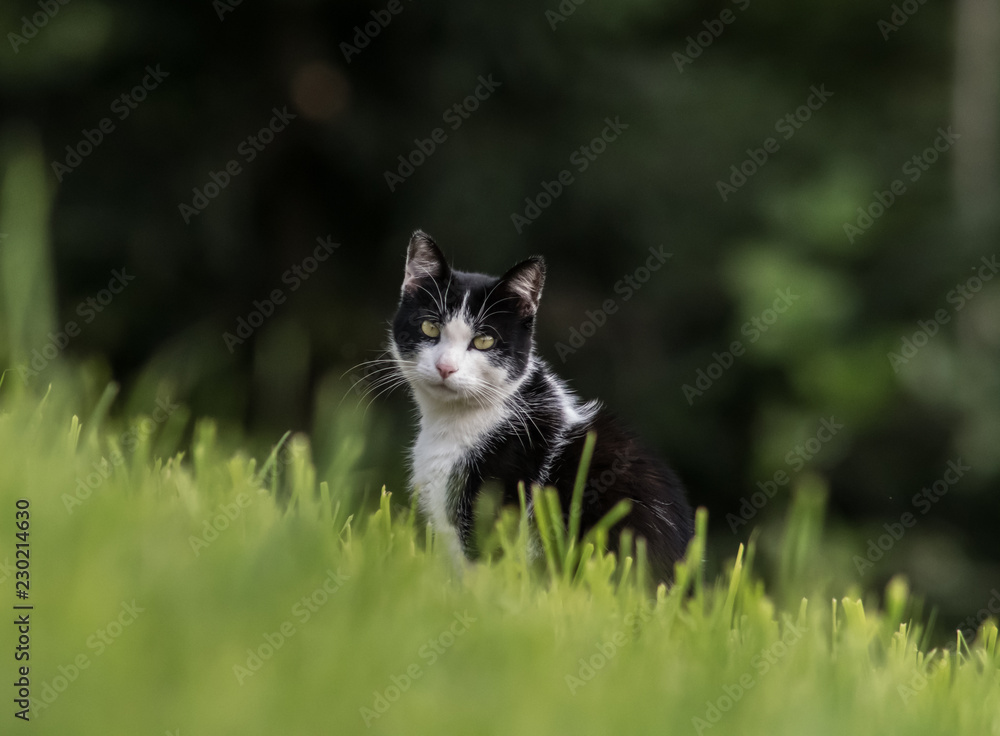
{"points": [[446, 537]]}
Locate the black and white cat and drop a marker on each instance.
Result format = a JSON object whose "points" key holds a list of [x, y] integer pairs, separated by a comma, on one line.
{"points": [[491, 411]]}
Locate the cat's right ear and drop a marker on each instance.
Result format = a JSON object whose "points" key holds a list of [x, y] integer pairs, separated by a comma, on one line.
{"points": [[423, 259], [525, 281]]}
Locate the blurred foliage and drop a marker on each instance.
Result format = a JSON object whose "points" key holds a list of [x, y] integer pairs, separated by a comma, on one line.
{"points": [[229, 66]]}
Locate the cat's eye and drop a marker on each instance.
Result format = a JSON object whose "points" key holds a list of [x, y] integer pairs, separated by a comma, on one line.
{"points": [[429, 328], [483, 342]]}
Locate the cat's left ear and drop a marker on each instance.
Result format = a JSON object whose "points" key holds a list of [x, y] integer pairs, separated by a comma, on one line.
{"points": [[525, 281]]}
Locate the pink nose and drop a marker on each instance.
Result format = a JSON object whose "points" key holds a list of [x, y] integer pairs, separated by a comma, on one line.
{"points": [[445, 370]]}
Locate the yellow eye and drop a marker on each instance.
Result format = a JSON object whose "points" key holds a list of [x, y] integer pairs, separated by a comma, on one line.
{"points": [[483, 342], [430, 329]]}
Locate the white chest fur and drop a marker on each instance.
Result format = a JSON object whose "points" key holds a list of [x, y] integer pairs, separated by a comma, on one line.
{"points": [[446, 442]]}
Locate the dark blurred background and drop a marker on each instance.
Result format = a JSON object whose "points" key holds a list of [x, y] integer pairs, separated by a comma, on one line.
{"points": [[755, 132]]}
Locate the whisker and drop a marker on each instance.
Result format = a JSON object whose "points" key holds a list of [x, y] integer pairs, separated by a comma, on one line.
{"points": [[368, 362], [521, 412], [486, 300], [377, 373], [384, 392], [495, 311]]}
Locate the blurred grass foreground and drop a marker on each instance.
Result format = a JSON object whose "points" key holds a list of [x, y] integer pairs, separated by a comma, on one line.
{"points": [[204, 592]]}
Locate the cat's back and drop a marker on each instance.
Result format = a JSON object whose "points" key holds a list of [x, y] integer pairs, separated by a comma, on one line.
{"points": [[623, 467]]}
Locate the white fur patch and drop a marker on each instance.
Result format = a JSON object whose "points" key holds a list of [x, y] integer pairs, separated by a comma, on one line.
{"points": [[574, 413], [572, 409], [449, 434]]}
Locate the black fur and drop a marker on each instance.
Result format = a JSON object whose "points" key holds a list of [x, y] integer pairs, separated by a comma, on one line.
{"points": [[621, 467]]}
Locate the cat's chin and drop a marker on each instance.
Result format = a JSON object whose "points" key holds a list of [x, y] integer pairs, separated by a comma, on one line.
{"points": [[445, 395], [441, 392]]}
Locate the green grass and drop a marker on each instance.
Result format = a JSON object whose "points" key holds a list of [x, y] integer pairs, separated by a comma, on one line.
{"points": [[237, 633]]}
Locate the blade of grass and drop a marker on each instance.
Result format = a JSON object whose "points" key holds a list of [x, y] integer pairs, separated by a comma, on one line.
{"points": [[551, 498], [576, 505], [543, 521], [271, 463]]}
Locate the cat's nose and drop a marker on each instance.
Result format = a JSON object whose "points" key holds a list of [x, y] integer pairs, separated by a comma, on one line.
{"points": [[445, 369]]}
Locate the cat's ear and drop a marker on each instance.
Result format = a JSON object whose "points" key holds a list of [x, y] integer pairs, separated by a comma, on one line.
{"points": [[525, 281], [423, 259]]}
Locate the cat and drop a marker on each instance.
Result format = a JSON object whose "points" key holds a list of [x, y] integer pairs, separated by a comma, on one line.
{"points": [[492, 411]]}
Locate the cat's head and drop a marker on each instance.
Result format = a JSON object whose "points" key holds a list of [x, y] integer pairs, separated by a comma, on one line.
{"points": [[464, 338]]}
